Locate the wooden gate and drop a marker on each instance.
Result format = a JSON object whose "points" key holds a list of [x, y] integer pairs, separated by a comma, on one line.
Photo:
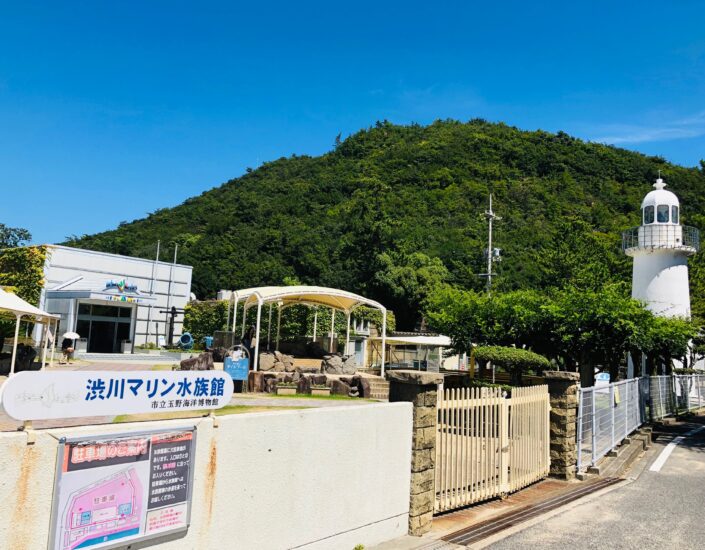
{"points": [[488, 445]]}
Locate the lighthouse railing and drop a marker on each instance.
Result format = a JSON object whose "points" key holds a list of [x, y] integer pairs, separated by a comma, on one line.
{"points": [[661, 236]]}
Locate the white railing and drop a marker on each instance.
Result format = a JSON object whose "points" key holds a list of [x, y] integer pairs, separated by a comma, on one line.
{"points": [[488, 445], [689, 391], [660, 236], [661, 397], [606, 415]]}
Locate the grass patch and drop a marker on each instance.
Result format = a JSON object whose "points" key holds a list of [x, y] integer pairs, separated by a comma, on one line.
{"points": [[174, 415], [165, 366], [309, 396]]}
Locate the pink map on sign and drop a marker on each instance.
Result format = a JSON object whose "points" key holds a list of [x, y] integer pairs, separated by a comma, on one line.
{"points": [[104, 511]]}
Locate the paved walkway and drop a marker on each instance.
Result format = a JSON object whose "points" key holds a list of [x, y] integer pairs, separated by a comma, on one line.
{"points": [[451, 522], [657, 508]]}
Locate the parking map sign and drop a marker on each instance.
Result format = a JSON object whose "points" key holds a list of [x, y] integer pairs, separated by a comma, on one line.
{"points": [[117, 489]]}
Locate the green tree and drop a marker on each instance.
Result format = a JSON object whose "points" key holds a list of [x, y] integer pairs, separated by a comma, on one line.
{"points": [[11, 237], [407, 280], [579, 256], [204, 318], [585, 329], [667, 339], [470, 318], [596, 328]]}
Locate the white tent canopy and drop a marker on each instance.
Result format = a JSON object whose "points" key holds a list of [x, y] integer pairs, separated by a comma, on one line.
{"points": [[284, 296], [12, 305], [306, 295]]}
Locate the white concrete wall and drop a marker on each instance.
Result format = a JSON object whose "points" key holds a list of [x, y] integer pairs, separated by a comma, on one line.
{"points": [[325, 478]]}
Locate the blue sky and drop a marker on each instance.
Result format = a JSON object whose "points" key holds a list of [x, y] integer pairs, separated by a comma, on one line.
{"points": [[111, 110]]}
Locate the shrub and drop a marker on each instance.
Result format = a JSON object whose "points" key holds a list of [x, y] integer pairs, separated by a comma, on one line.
{"points": [[514, 360], [686, 371]]}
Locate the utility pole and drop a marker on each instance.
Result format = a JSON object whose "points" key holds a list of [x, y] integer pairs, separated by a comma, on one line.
{"points": [[492, 254]]}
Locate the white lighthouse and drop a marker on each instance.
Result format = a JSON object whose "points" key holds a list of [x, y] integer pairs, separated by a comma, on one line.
{"points": [[660, 248]]}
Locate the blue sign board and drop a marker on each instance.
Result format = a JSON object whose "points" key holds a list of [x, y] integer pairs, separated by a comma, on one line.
{"points": [[238, 369]]}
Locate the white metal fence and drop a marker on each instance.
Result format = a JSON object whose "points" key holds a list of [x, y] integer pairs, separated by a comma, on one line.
{"points": [[607, 414], [661, 397], [488, 445], [689, 391]]}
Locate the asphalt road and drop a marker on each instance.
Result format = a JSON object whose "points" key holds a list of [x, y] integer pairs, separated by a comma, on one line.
{"points": [[659, 510]]}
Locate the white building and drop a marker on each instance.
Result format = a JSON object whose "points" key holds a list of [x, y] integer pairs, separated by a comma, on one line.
{"points": [[113, 302]]}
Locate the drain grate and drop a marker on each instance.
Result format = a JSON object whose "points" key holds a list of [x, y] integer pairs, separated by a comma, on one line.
{"points": [[470, 535]]}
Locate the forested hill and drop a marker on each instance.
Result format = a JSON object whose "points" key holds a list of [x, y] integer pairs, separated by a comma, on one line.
{"points": [[393, 210]]}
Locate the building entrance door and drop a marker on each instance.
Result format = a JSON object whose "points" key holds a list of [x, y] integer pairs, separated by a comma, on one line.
{"points": [[105, 327], [102, 337]]}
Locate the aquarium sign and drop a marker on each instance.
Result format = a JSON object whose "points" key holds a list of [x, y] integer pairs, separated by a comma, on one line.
{"points": [[121, 286]]}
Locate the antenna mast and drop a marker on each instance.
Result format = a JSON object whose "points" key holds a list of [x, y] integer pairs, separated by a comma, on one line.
{"points": [[492, 255]]}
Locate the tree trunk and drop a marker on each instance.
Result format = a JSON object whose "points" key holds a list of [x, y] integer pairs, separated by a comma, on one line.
{"points": [[587, 374], [516, 377]]}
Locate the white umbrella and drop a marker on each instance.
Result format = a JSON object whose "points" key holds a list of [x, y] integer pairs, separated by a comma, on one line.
{"points": [[71, 335]]}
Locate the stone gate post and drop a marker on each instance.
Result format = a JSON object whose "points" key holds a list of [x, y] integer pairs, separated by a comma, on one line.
{"points": [[563, 391], [419, 388]]}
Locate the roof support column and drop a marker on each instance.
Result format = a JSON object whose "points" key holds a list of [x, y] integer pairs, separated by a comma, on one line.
{"points": [[279, 323], [244, 319], [384, 338], [315, 323], [269, 326], [347, 337], [332, 328], [259, 318], [14, 345], [45, 329], [53, 342], [235, 311]]}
